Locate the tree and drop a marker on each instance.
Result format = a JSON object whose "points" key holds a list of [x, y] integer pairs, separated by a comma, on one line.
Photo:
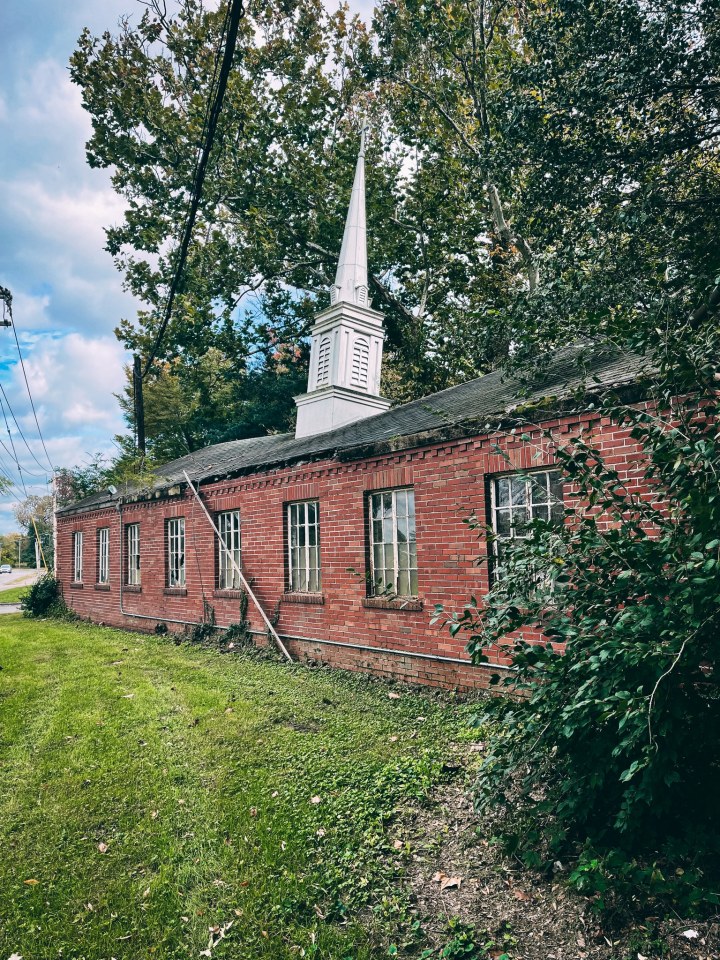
{"points": [[270, 225], [588, 132], [611, 755], [35, 515]]}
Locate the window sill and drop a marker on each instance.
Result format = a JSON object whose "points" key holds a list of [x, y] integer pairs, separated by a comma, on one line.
{"points": [[76, 585], [132, 588], [105, 587], [228, 594], [310, 598], [397, 603], [175, 591]]}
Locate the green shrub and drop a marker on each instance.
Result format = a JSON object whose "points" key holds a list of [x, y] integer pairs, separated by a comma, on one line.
{"points": [[611, 751], [43, 599]]}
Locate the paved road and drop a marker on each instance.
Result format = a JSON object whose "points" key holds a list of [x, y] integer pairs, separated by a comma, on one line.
{"points": [[18, 578]]}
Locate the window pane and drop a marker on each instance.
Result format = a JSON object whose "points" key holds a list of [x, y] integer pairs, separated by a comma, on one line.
{"points": [[377, 531], [388, 530], [401, 502], [413, 582], [403, 587], [539, 488], [387, 504], [557, 513], [502, 492], [519, 521], [556, 486], [518, 490], [376, 503], [402, 529], [540, 512], [502, 523]]}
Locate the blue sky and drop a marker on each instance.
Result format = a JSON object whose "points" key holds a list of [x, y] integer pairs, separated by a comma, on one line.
{"points": [[68, 297]]}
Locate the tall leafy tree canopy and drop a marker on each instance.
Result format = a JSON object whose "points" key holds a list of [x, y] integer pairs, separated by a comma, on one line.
{"points": [[539, 171]]}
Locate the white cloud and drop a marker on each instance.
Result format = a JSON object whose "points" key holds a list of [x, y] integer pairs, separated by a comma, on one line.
{"points": [[73, 380], [55, 208]]}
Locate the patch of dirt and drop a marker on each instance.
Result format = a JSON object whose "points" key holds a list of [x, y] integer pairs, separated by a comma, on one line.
{"points": [[545, 920]]}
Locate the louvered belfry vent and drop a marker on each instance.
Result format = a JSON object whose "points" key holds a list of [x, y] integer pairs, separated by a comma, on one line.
{"points": [[347, 337], [360, 361], [323, 370]]}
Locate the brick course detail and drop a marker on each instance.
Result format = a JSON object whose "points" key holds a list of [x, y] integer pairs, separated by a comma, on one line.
{"points": [[337, 627]]}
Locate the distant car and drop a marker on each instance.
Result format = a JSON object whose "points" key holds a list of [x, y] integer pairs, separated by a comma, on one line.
{"points": [[6, 568]]}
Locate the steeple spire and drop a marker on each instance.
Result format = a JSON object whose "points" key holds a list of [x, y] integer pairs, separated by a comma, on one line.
{"points": [[347, 337], [351, 279]]}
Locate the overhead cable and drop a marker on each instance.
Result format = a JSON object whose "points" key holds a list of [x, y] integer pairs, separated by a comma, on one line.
{"points": [[19, 429], [12, 444], [235, 13], [27, 387]]}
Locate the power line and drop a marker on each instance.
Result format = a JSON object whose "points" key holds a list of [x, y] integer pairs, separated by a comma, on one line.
{"points": [[12, 444], [36, 476], [27, 386], [6, 298], [235, 12], [19, 428]]}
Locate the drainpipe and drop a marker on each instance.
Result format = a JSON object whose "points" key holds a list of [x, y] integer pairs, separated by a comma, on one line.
{"points": [[334, 643]]}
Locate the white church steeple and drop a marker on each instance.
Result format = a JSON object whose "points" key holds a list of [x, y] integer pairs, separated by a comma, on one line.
{"points": [[347, 338], [351, 278]]}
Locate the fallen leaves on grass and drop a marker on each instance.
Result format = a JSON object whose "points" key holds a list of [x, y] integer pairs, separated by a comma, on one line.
{"points": [[393, 696], [31, 883], [217, 933], [446, 882], [102, 847], [315, 799]]}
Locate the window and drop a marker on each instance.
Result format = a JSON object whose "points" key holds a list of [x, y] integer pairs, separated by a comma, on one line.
{"points": [[393, 551], [229, 527], [176, 552], [304, 547], [103, 554], [77, 557], [133, 554], [516, 501]]}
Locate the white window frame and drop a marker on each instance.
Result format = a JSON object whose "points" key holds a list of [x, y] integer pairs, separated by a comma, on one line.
{"points": [[103, 548], [133, 554], [175, 533], [404, 564], [78, 556], [228, 524], [530, 507], [303, 546]]}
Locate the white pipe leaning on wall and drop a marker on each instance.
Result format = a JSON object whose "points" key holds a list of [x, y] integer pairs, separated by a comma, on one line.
{"points": [[434, 657], [237, 570]]}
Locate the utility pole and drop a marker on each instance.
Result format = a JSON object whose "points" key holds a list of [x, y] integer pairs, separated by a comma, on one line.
{"points": [[139, 405]]}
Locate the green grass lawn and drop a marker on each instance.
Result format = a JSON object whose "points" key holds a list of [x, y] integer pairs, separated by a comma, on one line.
{"points": [[14, 594], [150, 792]]}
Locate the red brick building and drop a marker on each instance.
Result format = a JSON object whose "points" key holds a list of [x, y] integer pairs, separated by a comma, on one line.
{"points": [[352, 530]]}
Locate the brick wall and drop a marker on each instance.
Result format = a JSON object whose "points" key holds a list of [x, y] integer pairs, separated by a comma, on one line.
{"points": [[449, 481]]}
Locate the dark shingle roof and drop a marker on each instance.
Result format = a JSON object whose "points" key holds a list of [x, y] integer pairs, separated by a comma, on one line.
{"points": [[489, 399]]}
